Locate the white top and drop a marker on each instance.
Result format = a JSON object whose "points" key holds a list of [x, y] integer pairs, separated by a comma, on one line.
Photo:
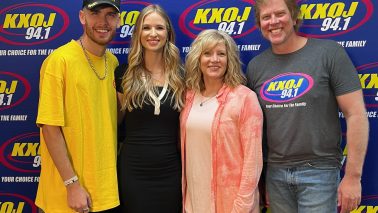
{"points": [[198, 154]]}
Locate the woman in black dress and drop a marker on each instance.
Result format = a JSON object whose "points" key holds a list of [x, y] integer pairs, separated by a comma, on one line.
{"points": [[151, 99]]}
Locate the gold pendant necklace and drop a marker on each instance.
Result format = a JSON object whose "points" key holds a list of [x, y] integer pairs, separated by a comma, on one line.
{"points": [[91, 64], [206, 100]]}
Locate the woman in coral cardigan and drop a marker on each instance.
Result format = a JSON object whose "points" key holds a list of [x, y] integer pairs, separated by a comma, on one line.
{"points": [[221, 130]]}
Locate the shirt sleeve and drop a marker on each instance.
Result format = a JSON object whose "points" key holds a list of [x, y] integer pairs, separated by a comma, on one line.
{"points": [[344, 76], [51, 91], [118, 74]]}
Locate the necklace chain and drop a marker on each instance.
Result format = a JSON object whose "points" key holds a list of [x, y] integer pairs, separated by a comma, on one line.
{"points": [[91, 64], [206, 100]]}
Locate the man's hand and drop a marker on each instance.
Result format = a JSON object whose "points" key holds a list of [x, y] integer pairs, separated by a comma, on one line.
{"points": [[349, 194], [78, 198]]}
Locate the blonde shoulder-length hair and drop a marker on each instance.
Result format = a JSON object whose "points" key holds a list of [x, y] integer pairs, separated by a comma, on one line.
{"points": [[205, 41], [137, 81]]}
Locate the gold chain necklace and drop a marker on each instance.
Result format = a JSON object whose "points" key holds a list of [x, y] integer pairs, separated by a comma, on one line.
{"points": [[206, 100], [91, 64]]}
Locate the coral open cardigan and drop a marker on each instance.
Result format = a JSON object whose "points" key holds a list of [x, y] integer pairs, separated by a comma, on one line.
{"points": [[236, 150]]}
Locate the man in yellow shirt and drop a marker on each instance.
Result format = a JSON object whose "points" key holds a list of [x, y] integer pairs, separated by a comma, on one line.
{"points": [[77, 118]]}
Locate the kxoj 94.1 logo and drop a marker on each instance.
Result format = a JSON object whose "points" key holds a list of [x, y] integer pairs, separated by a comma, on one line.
{"points": [[234, 17], [32, 23], [14, 89], [333, 17], [286, 87], [368, 74], [128, 19], [15, 203], [22, 153]]}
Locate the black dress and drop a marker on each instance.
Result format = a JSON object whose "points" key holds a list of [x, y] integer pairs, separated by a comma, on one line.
{"points": [[149, 164]]}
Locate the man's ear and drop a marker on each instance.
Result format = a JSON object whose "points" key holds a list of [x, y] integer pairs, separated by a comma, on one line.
{"points": [[82, 17]]}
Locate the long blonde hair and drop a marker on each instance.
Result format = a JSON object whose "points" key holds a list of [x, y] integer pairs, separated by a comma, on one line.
{"points": [[137, 81], [207, 40]]}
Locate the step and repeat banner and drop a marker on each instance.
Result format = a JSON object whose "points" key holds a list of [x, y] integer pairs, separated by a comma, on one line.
{"points": [[31, 30]]}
